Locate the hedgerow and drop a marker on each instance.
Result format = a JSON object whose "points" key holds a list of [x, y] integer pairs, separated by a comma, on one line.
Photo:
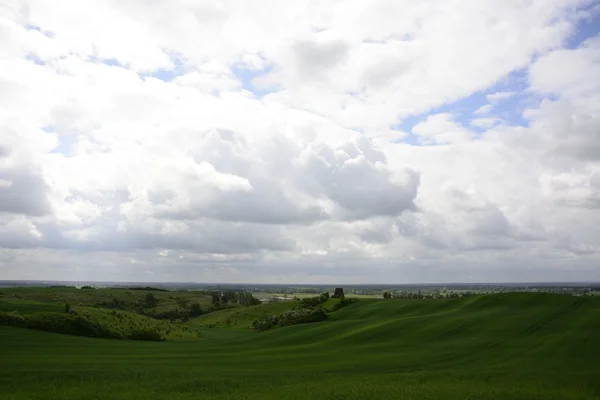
{"points": [[292, 317]]}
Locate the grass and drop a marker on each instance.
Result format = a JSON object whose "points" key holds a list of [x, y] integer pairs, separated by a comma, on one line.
{"points": [[508, 346]]}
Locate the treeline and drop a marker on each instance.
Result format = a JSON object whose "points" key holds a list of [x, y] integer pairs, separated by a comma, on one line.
{"points": [[72, 323], [418, 295], [149, 301], [147, 288], [220, 299]]}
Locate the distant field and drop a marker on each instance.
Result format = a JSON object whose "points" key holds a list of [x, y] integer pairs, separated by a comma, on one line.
{"points": [[131, 299], [507, 346], [267, 295]]}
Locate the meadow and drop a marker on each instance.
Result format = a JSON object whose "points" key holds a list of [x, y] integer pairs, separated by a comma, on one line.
{"points": [[502, 346]]}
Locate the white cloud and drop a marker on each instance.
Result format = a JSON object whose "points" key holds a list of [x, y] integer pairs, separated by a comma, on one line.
{"points": [[198, 178], [485, 109], [441, 129], [485, 123], [499, 96]]}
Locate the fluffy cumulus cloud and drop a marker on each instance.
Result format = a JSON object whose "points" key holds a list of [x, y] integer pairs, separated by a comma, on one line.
{"points": [[313, 141]]}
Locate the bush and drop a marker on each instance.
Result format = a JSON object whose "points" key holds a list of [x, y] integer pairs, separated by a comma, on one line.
{"points": [[343, 303], [310, 302], [146, 334], [151, 300], [11, 319], [114, 303], [292, 317], [195, 310]]}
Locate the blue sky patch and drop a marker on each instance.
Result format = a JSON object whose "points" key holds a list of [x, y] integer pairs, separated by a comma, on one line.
{"points": [[508, 109], [168, 75], [587, 28], [246, 76], [65, 142]]}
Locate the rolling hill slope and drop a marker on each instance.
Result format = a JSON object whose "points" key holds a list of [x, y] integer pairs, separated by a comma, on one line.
{"points": [[508, 346]]}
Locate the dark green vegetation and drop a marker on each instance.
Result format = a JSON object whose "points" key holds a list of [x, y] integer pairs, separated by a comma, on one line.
{"points": [[146, 301], [506, 346]]}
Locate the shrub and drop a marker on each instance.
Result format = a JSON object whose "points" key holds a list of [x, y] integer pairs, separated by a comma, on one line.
{"points": [[310, 302], [343, 303], [292, 317], [114, 303], [195, 310], [11, 319], [151, 300], [146, 334]]}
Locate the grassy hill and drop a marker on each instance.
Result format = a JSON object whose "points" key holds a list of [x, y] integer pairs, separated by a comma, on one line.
{"points": [[509, 346], [117, 324], [125, 299]]}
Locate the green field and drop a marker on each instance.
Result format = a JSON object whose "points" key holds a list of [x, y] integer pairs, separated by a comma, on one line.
{"points": [[506, 346]]}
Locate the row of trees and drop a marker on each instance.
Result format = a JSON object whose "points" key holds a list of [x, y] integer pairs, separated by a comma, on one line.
{"points": [[220, 299], [418, 295]]}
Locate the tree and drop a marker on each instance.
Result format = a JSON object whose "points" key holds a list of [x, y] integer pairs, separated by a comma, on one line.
{"points": [[387, 295], [67, 308], [195, 310], [338, 293], [215, 297], [151, 300]]}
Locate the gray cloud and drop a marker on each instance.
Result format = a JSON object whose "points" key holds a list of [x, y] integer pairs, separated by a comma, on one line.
{"points": [[23, 191], [315, 58]]}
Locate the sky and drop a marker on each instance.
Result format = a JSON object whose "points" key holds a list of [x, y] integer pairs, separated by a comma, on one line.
{"points": [[323, 141]]}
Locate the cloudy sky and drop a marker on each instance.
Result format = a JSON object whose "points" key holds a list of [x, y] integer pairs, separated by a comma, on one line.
{"points": [[300, 141]]}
